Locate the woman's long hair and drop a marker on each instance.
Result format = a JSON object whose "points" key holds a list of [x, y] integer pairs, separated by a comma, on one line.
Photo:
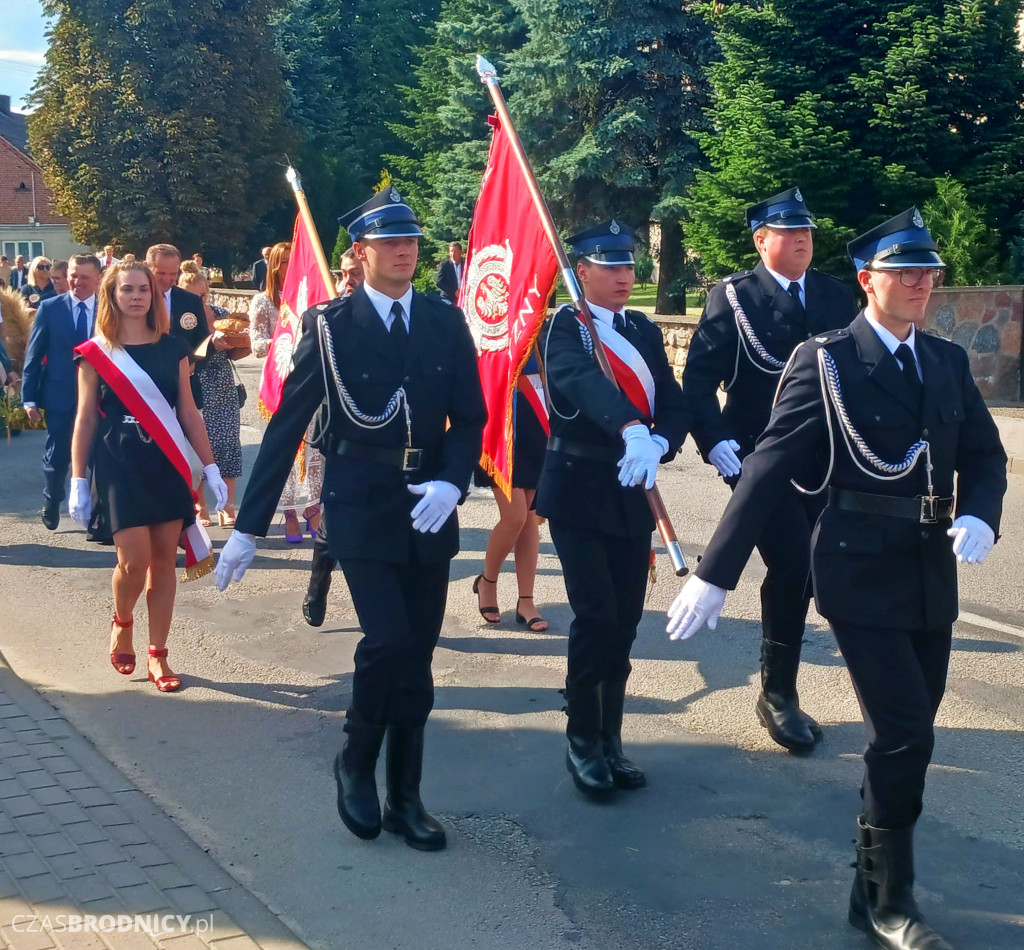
{"points": [[276, 271], [36, 261], [108, 314]]}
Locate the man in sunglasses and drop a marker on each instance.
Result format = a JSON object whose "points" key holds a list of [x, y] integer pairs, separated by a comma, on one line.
{"points": [[898, 421]]}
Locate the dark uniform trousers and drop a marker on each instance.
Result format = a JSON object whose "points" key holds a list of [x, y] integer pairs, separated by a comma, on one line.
{"points": [[887, 585], [601, 531], [717, 357], [57, 454], [397, 577]]}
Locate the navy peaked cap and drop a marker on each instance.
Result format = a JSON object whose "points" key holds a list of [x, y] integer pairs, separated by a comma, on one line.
{"points": [[902, 241], [784, 210], [610, 242], [385, 215]]}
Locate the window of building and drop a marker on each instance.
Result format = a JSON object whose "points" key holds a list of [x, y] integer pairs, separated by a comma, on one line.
{"points": [[27, 249]]}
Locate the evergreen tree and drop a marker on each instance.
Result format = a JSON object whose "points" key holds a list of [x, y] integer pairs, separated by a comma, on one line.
{"points": [[344, 60], [868, 104], [607, 97], [445, 116], [153, 124]]}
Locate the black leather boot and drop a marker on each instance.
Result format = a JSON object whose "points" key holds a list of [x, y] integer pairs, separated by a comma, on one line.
{"points": [[625, 774], [404, 813], [314, 604], [882, 900], [585, 756], [355, 772], [778, 706]]}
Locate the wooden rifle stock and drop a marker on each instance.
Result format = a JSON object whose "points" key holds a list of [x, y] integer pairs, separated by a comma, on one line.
{"points": [[489, 77]]}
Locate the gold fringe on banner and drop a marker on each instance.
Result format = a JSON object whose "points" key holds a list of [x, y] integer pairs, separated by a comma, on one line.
{"points": [[263, 410], [197, 570]]}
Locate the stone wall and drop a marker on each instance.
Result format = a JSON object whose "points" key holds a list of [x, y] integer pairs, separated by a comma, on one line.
{"points": [[677, 331], [985, 321]]}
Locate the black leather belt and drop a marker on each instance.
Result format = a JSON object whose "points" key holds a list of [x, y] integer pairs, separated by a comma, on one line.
{"points": [[408, 460], [601, 453], [922, 508]]}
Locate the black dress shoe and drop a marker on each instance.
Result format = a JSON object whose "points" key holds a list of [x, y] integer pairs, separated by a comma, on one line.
{"points": [[585, 756], [625, 773], [50, 516]]}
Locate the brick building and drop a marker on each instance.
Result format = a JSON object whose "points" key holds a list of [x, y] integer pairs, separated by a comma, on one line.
{"points": [[28, 224]]}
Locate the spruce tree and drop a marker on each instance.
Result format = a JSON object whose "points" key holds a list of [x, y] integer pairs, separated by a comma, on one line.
{"points": [[155, 124]]}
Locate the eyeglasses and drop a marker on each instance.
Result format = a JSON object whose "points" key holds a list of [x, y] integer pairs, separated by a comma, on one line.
{"points": [[42, 266], [912, 276]]}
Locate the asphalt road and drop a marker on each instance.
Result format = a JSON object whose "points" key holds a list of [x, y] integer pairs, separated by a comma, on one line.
{"points": [[734, 843]]}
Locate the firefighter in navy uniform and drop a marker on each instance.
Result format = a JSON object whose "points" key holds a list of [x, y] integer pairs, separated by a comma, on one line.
{"points": [[751, 324], [900, 421], [403, 417], [602, 452]]}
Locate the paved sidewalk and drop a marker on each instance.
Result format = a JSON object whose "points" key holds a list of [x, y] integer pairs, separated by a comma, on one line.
{"points": [[87, 861]]}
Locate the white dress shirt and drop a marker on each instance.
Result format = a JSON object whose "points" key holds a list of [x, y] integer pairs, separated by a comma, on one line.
{"points": [[891, 342], [784, 283], [382, 304]]}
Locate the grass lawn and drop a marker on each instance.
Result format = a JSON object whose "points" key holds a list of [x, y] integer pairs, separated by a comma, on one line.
{"points": [[646, 297]]}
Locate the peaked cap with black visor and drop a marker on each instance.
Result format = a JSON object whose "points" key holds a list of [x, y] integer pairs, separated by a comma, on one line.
{"points": [[784, 211], [902, 241], [609, 243], [385, 215]]}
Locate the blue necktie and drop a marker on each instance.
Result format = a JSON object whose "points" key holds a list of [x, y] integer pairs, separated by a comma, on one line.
{"points": [[399, 334], [619, 322], [82, 323]]}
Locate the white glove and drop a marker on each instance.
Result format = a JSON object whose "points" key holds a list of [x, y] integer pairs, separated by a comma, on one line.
{"points": [[640, 463], [723, 456], [698, 603], [972, 539], [435, 507], [220, 491], [80, 501], [235, 558]]}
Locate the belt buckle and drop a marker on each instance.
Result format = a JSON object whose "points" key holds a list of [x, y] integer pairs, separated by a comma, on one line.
{"points": [[411, 459], [929, 509]]}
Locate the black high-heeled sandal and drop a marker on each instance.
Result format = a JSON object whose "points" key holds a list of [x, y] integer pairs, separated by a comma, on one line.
{"points": [[534, 623], [490, 614]]}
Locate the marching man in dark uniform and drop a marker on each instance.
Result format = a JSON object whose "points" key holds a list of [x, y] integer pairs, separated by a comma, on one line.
{"points": [[604, 449], [404, 417], [751, 324], [897, 417]]}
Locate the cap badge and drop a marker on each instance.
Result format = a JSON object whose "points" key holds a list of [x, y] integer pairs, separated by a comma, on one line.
{"points": [[797, 195], [918, 220], [394, 195], [614, 227]]}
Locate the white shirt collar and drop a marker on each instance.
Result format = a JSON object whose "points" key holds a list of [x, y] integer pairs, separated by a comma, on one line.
{"points": [[167, 300], [887, 337], [90, 302], [784, 282], [382, 304], [603, 313]]}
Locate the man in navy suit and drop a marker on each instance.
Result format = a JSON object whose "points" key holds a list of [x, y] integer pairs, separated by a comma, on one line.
{"points": [[259, 270], [19, 276], [61, 323]]}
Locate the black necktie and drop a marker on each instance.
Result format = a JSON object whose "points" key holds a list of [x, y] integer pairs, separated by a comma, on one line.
{"points": [[906, 356], [794, 292], [399, 334], [619, 322], [82, 322]]}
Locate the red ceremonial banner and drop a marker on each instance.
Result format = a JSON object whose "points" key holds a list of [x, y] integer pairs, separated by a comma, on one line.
{"points": [[508, 276], [303, 288]]}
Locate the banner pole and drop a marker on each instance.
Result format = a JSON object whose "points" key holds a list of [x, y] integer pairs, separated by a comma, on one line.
{"points": [[307, 219], [489, 77]]}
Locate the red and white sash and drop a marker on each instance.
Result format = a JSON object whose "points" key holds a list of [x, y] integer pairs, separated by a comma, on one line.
{"points": [[141, 397], [530, 385], [629, 368]]}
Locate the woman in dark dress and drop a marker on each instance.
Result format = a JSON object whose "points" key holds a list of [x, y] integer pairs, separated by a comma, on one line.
{"points": [[518, 527], [148, 499]]}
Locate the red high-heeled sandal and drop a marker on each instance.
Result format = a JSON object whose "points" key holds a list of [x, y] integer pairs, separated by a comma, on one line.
{"points": [[168, 683], [124, 663]]}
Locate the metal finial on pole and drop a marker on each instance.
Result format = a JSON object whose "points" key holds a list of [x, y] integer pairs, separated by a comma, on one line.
{"points": [[307, 219]]}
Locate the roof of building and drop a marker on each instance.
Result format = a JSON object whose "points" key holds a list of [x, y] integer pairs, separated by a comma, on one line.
{"points": [[13, 125]]}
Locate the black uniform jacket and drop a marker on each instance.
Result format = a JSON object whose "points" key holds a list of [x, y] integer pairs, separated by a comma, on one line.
{"points": [[868, 569], [368, 503], [188, 321], [586, 491], [716, 354]]}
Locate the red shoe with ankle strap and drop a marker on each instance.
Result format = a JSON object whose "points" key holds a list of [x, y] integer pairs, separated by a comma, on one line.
{"points": [[124, 663], [165, 684]]}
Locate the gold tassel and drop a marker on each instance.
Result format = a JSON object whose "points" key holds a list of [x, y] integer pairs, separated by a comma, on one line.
{"points": [[197, 570], [652, 570], [263, 410]]}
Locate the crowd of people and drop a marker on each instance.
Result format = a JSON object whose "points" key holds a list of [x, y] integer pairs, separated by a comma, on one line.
{"points": [[842, 434]]}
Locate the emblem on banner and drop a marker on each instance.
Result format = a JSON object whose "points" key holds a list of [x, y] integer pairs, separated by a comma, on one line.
{"points": [[189, 321], [485, 301]]}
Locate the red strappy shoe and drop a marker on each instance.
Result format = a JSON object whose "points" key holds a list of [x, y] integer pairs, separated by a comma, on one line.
{"points": [[124, 663], [165, 684]]}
